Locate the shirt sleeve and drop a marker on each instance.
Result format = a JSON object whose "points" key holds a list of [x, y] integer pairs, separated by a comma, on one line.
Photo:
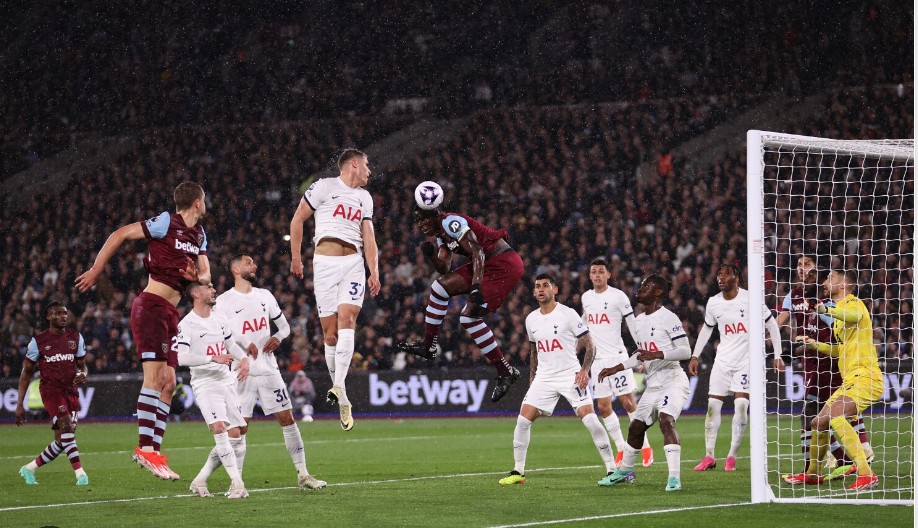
{"points": [[204, 243], [455, 226], [81, 347], [183, 339], [528, 332], [315, 194], [709, 318], [157, 227], [786, 305], [766, 313], [32, 351], [274, 311], [577, 325], [625, 306], [675, 330], [367, 207]]}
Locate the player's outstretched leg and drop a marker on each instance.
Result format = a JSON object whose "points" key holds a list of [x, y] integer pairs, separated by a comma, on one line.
{"points": [[145, 455], [68, 442], [437, 304], [646, 450], [866, 478], [199, 484], [624, 474], [521, 436], [50, 453], [711, 426], [600, 439], [740, 418]]}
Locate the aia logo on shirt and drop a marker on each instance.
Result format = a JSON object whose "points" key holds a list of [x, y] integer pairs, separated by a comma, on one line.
{"points": [[736, 328], [649, 346], [353, 215], [598, 319], [216, 349], [254, 325], [546, 345]]}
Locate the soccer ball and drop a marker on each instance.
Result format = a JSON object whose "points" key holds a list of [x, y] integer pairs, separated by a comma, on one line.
{"points": [[428, 195]]}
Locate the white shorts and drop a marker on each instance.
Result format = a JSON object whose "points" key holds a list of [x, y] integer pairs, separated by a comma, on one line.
{"points": [[669, 400], [724, 380], [336, 281], [219, 403], [621, 383], [543, 394], [271, 392]]}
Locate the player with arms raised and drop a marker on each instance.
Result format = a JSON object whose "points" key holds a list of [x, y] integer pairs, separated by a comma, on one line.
{"points": [[60, 357], [663, 344], [728, 311], [492, 272], [555, 333], [344, 231], [250, 312], [604, 310], [820, 372], [862, 381], [176, 255], [203, 341]]}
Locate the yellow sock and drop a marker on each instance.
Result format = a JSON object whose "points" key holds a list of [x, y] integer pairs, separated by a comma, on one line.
{"points": [[848, 437], [819, 446]]}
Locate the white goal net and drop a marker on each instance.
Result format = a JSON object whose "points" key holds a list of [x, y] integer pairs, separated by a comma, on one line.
{"points": [[816, 205]]}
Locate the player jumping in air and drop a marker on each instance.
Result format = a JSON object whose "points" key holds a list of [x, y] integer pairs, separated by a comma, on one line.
{"points": [[176, 256], [344, 231], [820, 372], [555, 334], [59, 354], [604, 310], [250, 312], [492, 272], [203, 341], [862, 381], [663, 344], [728, 311]]}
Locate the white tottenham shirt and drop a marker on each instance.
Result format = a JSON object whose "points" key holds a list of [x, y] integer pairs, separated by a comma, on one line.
{"points": [[732, 320], [555, 337], [339, 210], [603, 314], [250, 316], [199, 337], [661, 331]]}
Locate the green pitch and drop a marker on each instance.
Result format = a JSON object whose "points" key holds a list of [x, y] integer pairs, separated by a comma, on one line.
{"points": [[419, 472]]}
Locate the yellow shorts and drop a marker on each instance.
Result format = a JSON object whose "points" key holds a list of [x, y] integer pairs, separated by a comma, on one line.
{"points": [[864, 390]]}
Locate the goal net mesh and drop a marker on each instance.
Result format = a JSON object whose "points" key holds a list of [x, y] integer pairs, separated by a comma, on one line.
{"points": [[835, 205]]}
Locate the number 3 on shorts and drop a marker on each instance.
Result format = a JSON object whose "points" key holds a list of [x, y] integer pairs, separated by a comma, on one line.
{"points": [[665, 401], [281, 394], [356, 288]]}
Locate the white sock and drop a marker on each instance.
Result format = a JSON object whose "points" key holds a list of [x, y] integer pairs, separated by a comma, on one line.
{"points": [[32, 466], [344, 351], [239, 448], [630, 457], [740, 418], [615, 431], [673, 458], [330, 361], [521, 436], [631, 419], [600, 440], [711, 425], [227, 456], [79, 472], [213, 462], [294, 442]]}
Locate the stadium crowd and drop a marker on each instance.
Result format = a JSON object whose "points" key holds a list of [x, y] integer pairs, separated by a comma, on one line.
{"points": [[94, 69], [559, 178]]}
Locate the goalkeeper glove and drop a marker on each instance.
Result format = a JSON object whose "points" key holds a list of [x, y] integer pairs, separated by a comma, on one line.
{"points": [[427, 249], [821, 308], [809, 342], [475, 295]]}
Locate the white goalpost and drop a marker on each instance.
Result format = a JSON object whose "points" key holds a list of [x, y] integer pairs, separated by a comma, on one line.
{"points": [[848, 205]]}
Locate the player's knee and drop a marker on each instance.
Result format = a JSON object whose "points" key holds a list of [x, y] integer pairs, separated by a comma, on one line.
{"points": [[285, 418], [820, 423], [604, 406], [218, 428], [243, 430], [331, 338]]}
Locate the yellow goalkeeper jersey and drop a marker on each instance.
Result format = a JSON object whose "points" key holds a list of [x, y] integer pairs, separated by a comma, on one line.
{"points": [[854, 332]]}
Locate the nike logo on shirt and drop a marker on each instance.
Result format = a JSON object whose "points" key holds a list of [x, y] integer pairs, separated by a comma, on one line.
{"points": [[239, 310]]}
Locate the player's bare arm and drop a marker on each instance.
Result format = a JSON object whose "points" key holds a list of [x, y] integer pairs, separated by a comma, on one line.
{"points": [[28, 368], [129, 232], [533, 361], [203, 269], [371, 254], [649, 355], [585, 342], [610, 371], [440, 260], [303, 212], [470, 244], [80, 377]]}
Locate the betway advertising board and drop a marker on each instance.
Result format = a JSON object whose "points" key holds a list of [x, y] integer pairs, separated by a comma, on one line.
{"points": [[417, 392]]}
